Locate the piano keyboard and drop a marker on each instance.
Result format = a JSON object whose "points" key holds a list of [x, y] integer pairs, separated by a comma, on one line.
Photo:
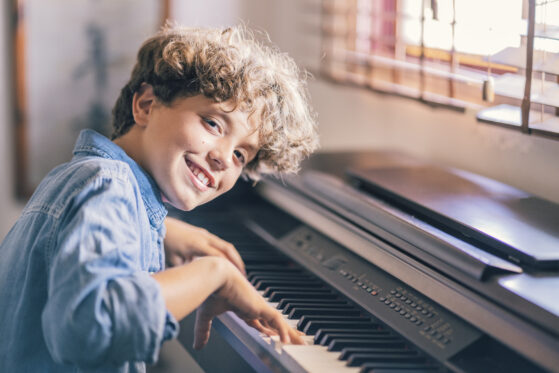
{"points": [[340, 336]]}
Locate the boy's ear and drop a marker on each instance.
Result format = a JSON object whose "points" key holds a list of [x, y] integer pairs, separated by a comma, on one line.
{"points": [[142, 103]]}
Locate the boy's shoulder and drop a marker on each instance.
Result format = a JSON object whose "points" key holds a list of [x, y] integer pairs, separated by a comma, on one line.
{"points": [[79, 178], [84, 169]]}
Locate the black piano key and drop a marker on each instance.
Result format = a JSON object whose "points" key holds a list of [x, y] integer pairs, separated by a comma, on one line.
{"points": [[380, 341], [258, 245], [277, 296], [328, 338], [258, 275], [314, 326], [295, 273], [291, 275], [258, 259], [298, 312], [305, 320], [253, 244], [259, 249], [304, 304], [411, 367], [264, 283], [406, 370], [373, 327], [346, 353], [258, 253], [288, 302], [292, 287], [271, 268], [272, 289], [237, 233], [357, 360]]}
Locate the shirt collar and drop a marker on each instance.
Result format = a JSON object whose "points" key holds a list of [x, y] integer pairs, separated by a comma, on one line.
{"points": [[93, 143]]}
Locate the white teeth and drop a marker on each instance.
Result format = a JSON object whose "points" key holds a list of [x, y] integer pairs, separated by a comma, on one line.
{"points": [[200, 175], [202, 178]]}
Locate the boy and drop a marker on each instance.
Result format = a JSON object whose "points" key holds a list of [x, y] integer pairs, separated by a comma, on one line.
{"points": [[82, 271]]}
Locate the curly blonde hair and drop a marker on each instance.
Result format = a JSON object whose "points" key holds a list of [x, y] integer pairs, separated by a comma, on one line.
{"points": [[229, 65]]}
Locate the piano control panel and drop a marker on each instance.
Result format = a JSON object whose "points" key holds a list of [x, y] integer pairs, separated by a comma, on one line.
{"points": [[402, 308]]}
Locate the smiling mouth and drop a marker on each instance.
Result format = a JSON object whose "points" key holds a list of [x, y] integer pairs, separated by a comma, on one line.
{"points": [[200, 174]]}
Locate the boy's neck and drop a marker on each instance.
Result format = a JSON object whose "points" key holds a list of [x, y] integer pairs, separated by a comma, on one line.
{"points": [[131, 143]]}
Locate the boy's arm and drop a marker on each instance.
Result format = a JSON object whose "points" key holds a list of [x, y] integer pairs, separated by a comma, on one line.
{"points": [[185, 287], [101, 307], [183, 242], [214, 285]]}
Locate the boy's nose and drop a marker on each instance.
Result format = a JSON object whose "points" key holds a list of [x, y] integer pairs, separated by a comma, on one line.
{"points": [[220, 159]]}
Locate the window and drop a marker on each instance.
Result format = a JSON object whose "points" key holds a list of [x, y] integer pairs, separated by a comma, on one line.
{"points": [[498, 57]]}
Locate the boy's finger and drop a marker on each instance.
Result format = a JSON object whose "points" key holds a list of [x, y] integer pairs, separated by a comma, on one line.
{"points": [[176, 260], [296, 337], [202, 329], [282, 328], [210, 251], [216, 251], [231, 253], [261, 328]]}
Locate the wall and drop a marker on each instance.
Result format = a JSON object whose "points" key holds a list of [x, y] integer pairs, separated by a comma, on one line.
{"points": [[208, 13], [10, 208]]}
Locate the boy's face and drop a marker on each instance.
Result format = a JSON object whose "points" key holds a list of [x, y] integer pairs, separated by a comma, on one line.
{"points": [[195, 149]]}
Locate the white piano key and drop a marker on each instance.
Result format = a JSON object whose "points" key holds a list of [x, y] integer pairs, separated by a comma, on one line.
{"points": [[266, 339], [309, 339], [314, 358], [292, 323]]}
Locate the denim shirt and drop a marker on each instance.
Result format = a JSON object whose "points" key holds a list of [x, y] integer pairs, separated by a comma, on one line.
{"points": [[75, 287]]}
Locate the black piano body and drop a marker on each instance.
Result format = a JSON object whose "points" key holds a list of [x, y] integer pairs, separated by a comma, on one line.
{"points": [[420, 269]]}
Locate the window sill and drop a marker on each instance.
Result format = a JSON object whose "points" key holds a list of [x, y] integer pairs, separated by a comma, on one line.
{"points": [[509, 116]]}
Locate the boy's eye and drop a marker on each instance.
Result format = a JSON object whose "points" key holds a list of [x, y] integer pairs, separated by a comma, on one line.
{"points": [[211, 123], [240, 156]]}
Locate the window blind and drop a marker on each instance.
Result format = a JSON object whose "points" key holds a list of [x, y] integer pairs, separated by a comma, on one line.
{"points": [[497, 57]]}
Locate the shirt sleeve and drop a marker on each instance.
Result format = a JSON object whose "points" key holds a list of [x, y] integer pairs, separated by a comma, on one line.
{"points": [[101, 307]]}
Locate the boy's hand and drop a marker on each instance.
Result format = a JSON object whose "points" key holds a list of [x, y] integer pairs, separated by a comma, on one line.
{"points": [[183, 242], [239, 296]]}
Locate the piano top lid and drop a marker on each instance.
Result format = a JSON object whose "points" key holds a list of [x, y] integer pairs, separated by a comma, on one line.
{"points": [[505, 219]]}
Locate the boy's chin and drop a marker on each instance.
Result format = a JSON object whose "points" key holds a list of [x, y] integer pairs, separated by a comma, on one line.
{"points": [[181, 205], [185, 205]]}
